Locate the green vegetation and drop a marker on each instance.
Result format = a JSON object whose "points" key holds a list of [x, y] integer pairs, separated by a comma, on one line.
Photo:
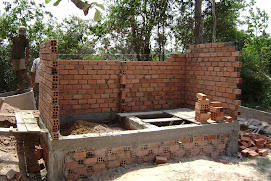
{"points": [[145, 30]]}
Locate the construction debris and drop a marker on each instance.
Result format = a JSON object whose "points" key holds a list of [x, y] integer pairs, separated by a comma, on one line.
{"points": [[253, 144]]}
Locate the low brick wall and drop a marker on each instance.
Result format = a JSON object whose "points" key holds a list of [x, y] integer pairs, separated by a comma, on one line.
{"points": [[80, 156], [80, 164]]}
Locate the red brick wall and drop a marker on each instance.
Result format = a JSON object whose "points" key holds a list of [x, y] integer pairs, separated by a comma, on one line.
{"points": [[87, 86], [213, 70], [113, 86]]}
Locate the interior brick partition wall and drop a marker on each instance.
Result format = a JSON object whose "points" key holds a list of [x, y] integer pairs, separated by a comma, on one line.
{"points": [[103, 86], [80, 164]]}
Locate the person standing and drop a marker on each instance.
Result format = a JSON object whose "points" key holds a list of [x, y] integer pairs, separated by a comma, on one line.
{"points": [[19, 58], [35, 79]]}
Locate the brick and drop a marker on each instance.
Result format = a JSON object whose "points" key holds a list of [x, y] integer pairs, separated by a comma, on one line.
{"points": [[242, 148], [98, 167], [215, 104], [259, 141], [149, 158], [211, 137], [263, 152], [113, 164], [160, 160], [216, 109], [228, 119], [245, 152], [185, 140], [79, 155], [201, 96], [72, 164], [90, 161], [72, 177], [256, 149], [252, 153]]}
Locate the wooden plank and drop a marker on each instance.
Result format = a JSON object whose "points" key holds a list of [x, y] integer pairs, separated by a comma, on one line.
{"points": [[19, 118], [22, 128], [30, 120], [13, 115], [160, 120], [27, 114], [26, 122], [32, 128]]}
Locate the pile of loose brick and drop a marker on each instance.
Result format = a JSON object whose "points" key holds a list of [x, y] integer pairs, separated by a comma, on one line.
{"points": [[204, 110], [252, 144]]}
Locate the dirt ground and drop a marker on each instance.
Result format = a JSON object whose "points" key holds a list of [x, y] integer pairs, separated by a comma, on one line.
{"points": [[12, 156], [197, 168], [83, 127], [16, 150]]}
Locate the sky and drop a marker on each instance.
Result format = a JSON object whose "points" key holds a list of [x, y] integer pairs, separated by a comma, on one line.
{"points": [[67, 8]]}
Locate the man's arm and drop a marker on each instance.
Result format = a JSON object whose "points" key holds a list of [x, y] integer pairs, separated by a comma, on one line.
{"points": [[11, 54], [27, 55], [33, 72], [33, 78]]}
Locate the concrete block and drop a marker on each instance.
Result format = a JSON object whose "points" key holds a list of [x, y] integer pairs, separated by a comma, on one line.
{"points": [[10, 174]]}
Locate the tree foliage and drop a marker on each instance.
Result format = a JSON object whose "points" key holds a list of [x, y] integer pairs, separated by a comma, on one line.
{"points": [[146, 29]]}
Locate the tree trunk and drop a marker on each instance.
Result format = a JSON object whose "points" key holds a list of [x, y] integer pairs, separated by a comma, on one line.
{"points": [[214, 22], [198, 22]]}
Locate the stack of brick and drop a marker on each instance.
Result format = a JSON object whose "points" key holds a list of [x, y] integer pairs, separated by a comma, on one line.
{"points": [[217, 111], [202, 108], [49, 87], [252, 144]]}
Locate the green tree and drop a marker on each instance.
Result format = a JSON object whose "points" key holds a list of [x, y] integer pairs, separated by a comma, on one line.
{"points": [[31, 15], [227, 20], [257, 21], [73, 36], [256, 73], [137, 20]]}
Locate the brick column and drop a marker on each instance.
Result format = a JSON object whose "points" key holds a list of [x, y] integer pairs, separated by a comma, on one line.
{"points": [[49, 106], [123, 68]]}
